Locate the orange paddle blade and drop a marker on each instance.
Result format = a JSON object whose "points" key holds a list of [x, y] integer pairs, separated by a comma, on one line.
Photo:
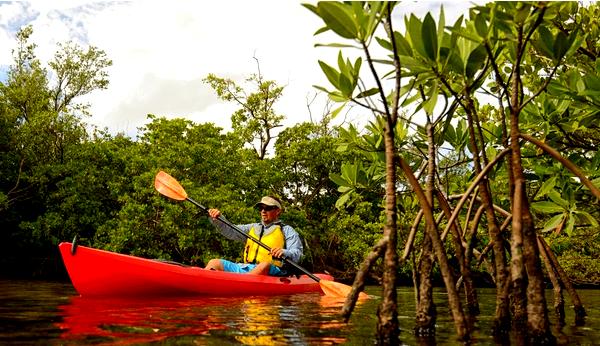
{"points": [[336, 289], [168, 186]]}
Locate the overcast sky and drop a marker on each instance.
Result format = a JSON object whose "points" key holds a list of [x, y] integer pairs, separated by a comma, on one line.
{"points": [[161, 51]]}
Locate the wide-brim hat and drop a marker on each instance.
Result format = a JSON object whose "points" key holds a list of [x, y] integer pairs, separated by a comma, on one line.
{"points": [[269, 201]]}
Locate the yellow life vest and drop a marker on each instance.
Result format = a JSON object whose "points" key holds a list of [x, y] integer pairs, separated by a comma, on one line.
{"points": [[254, 253]]}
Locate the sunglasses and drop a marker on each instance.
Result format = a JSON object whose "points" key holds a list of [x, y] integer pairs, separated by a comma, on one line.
{"points": [[266, 207]]}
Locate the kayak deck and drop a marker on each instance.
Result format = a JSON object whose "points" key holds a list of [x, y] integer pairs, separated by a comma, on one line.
{"points": [[101, 273]]}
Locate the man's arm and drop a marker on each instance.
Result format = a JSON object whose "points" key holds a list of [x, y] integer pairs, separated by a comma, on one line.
{"points": [[228, 231], [293, 244]]}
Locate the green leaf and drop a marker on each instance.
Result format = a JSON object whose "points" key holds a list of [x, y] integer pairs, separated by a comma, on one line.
{"points": [[343, 189], [337, 179], [414, 65], [429, 37], [545, 43], [522, 13], [318, 87], [368, 93], [321, 30], [337, 110], [557, 88], [561, 45], [587, 216], [557, 198], [402, 45], [592, 82], [336, 96], [414, 32], [481, 25], [467, 34], [350, 172], [440, 29], [547, 207], [369, 23], [570, 225], [547, 186], [338, 18], [475, 61], [596, 183], [384, 43], [310, 7], [553, 222], [339, 204], [333, 76], [432, 95], [336, 45], [345, 86]]}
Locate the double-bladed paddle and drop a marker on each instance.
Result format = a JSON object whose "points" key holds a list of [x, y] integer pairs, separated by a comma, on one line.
{"points": [[168, 186]]}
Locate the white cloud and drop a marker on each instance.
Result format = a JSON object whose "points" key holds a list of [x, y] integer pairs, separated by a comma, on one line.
{"points": [[161, 51], [177, 45]]}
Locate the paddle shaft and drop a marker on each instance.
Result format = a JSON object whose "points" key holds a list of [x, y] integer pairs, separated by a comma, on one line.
{"points": [[266, 247]]}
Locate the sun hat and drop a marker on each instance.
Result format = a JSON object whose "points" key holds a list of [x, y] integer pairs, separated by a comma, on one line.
{"points": [[270, 201]]}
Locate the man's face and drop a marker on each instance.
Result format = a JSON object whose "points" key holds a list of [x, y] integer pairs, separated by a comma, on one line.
{"points": [[268, 213]]}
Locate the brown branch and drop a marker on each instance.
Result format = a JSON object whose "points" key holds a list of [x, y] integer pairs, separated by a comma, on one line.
{"points": [[566, 162], [359, 279], [460, 322], [488, 247], [469, 209], [411, 236], [474, 184], [478, 199], [473, 231]]}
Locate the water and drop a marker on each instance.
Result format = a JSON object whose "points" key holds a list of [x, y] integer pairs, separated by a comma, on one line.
{"points": [[49, 313]]}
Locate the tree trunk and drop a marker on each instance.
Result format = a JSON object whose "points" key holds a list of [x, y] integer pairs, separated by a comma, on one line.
{"points": [[577, 305], [518, 296], [426, 314], [502, 317], [537, 313], [460, 322], [387, 314], [461, 256], [524, 247], [559, 301]]}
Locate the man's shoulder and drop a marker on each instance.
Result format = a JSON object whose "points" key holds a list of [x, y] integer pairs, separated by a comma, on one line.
{"points": [[287, 228]]}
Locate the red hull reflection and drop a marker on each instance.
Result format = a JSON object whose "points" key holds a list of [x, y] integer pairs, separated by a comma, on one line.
{"points": [[258, 320], [119, 321]]}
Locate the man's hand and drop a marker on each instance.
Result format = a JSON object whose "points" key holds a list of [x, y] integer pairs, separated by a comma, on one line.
{"points": [[214, 213], [277, 252]]}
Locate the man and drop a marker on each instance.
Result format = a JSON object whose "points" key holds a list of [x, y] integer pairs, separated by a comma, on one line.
{"points": [[283, 240]]}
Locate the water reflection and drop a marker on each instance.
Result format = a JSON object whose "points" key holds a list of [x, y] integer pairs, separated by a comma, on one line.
{"points": [[260, 321], [42, 313], [135, 321], [281, 320]]}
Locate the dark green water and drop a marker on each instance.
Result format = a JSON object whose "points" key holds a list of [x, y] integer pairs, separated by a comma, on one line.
{"points": [[47, 313]]}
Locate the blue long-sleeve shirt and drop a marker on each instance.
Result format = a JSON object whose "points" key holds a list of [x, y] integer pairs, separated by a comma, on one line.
{"points": [[293, 244]]}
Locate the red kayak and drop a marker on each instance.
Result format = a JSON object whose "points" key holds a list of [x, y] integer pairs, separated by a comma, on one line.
{"points": [[99, 273]]}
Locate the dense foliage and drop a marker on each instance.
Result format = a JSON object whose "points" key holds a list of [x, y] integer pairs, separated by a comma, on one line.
{"points": [[62, 178]]}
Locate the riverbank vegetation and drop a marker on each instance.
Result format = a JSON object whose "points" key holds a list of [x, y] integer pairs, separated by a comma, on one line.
{"points": [[517, 175]]}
